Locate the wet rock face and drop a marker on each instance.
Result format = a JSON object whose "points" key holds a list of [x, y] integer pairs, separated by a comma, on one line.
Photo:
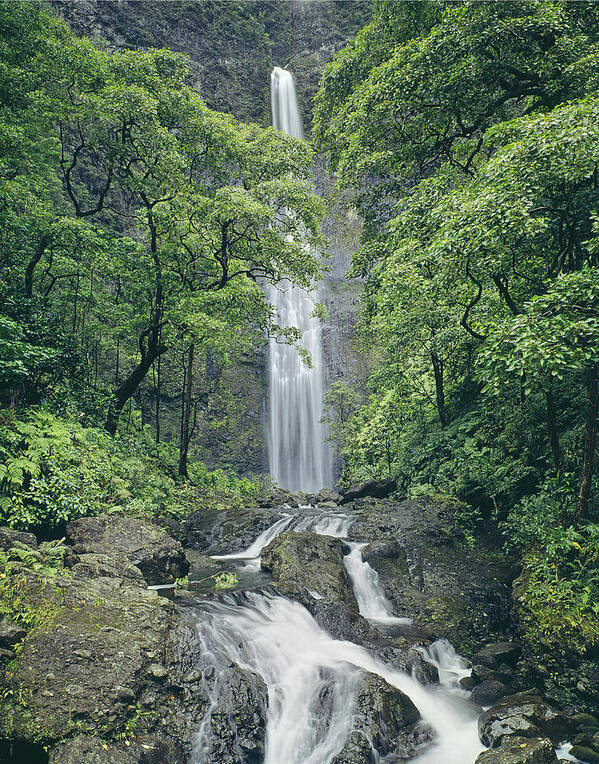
{"points": [[525, 716], [217, 532], [86, 749], [238, 719], [387, 721], [160, 558], [306, 561], [427, 569], [520, 750]]}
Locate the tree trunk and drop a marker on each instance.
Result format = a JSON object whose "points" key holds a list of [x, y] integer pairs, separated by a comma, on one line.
{"points": [[590, 440], [186, 414], [128, 387], [552, 428], [439, 388], [157, 394], [152, 335], [44, 241]]}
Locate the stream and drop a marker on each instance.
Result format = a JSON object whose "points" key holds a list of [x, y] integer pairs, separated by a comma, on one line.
{"points": [[312, 679]]}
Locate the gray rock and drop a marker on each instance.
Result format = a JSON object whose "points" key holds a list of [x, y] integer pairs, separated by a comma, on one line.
{"points": [[9, 537], [10, 634], [87, 749], [520, 750], [495, 654], [218, 532], [428, 570], [378, 489], [107, 566], [327, 495], [87, 668], [468, 682], [489, 692], [237, 721], [585, 753], [159, 557], [523, 716], [482, 673], [301, 561], [386, 550], [386, 722]]}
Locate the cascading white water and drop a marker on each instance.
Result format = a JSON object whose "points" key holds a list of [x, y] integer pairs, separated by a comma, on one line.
{"points": [[299, 457], [260, 542], [313, 680], [327, 525], [371, 600]]}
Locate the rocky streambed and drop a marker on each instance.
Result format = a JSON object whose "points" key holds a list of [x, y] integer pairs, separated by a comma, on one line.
{"points": [[336, 646]]}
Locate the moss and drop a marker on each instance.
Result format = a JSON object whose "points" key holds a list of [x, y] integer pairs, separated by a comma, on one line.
{"points": [[18, 722]]}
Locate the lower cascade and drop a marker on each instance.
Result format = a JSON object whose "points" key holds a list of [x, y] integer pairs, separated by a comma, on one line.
{"points": [[313, 680]]}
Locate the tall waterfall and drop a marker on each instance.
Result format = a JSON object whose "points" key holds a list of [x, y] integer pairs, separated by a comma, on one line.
{"points": [[299, 458]]}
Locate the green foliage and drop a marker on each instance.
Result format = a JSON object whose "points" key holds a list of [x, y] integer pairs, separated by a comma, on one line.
{"points": [[559, 588], [53, 470], [469, 134], [15, 603]]}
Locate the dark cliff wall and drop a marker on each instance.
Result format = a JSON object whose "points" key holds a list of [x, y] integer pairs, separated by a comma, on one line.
{"points": [[232, 44]]}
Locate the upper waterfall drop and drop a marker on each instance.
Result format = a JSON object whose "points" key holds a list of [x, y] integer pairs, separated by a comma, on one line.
{"points": [[299, 457]]}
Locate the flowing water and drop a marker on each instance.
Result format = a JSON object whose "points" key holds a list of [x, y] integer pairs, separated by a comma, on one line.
{"points": [[313, 681], [372, 603], [299, 457]]}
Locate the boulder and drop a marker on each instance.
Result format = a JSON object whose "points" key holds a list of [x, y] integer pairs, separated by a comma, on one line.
{"points": [[10, 634], [427, 569], [327, 495], [160, 558], [489, 692], [386, 550], [87, 749], [482, 673], [584, 753], [386, 723], [110, 657], [9, 537], [107, 566], [520, 750], [378, 489], [523, 716], [493, 655], [226, 531], [305, 561]]}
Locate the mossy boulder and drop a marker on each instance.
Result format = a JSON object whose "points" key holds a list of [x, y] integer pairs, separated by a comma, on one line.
{"points": [[454, 587], [526, 716], [385, 723], [107, 660], [520, 750], [86, 749], [159, 557], [306, 561]]}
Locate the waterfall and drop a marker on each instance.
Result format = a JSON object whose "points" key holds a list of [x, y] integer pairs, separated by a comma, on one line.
{"points": [[299, 457], [370, 597], [313, 680]]}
